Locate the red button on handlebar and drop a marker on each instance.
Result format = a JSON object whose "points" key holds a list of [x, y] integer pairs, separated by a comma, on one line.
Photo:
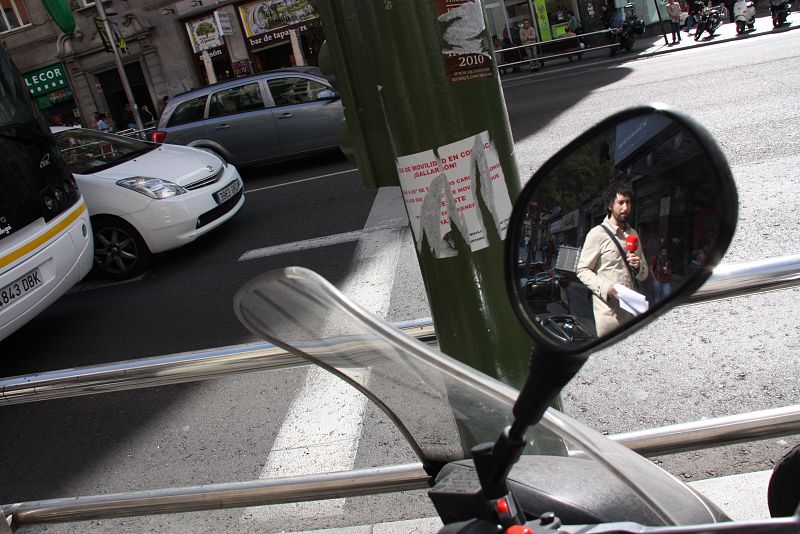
{"points": [[519, 529], [502, 507]]}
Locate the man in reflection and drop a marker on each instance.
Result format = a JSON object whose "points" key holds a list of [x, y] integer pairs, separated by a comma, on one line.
{"points": [[604, 260]]}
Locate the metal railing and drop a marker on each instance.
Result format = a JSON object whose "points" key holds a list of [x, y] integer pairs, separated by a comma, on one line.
{"points": [[539, 49], [137, 134], [726, 281]]}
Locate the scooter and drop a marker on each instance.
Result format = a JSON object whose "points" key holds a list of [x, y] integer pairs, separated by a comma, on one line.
{"points": [[631, 27], [745, 13], [495, 459], [780, 11], [541, 474], [710, 20]]}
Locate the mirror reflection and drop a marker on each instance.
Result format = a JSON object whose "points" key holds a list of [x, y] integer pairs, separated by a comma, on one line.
{"points": [[616, 226]]}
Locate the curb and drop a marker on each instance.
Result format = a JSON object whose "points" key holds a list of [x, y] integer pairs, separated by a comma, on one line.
{"points": [[645, 52], [718, 40]]}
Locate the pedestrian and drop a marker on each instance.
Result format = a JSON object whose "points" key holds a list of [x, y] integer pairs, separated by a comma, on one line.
{"points": [[527, 34], [696, 8], [127, 117], [604, 262], [110, 126], [162, 104], [147, 116], [100, 122], [662, 269], [674, 10], [606, 17], [697, 263], [572, 22]]}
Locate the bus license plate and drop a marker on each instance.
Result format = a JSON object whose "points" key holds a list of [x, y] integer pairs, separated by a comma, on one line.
{"points": [[20, 287], [227, 192]]}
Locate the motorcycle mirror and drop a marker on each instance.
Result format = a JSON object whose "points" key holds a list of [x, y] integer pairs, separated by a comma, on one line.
{"points": [[658, 182]]}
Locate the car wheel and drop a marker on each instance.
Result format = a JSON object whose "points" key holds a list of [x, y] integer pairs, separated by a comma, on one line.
{"points": [[119, 250]]}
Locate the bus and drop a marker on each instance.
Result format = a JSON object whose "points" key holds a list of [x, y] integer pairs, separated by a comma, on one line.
{"points": [[46, 242]]}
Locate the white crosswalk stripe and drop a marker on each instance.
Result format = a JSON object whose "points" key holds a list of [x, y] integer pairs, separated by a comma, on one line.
{"points": [[322, 429]]}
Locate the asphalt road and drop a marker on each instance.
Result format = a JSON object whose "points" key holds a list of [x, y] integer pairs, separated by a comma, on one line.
{"points": [[701, 361]]}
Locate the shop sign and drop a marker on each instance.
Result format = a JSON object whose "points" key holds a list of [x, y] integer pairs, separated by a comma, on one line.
{"points": [[634, 133], [223, 22], [46, 80], [242, 68], [101, 30], [271, 20], [570, 220], [56, 97], [204, 34]]}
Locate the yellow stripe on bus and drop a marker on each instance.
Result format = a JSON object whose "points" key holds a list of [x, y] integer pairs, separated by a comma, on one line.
{"points": [[44, 238]]}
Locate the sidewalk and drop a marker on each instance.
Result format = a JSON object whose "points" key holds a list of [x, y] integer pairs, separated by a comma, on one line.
{"points": [[652, 43]]}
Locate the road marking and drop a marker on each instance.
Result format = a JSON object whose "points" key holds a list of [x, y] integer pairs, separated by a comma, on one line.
{"points": [[249, 191], [323, 427], [324, 241]]}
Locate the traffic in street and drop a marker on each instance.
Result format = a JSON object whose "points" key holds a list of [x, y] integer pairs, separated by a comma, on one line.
{"points": [[699, 361]]}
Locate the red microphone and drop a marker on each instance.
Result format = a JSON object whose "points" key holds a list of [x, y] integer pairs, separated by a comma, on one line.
{"points": [[631, 243]]}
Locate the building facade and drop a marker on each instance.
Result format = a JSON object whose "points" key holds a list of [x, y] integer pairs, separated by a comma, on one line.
{"points": [[166, 48]]}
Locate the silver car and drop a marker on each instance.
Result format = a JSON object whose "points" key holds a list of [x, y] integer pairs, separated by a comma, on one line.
{"points": [[270, 116]]}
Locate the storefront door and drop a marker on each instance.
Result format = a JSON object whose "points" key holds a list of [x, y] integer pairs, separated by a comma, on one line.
{"points": [[115, 93]]}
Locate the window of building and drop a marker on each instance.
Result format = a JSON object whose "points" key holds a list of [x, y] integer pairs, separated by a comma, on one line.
{"points": [[13, 15], [236, 100], [189, 111], [293, 90]]}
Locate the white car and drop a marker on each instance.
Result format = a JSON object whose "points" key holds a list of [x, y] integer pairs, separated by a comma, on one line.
{"points": [[145, 198]]}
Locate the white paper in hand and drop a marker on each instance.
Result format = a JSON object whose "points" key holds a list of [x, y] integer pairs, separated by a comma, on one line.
{"points": [[631, 301]]}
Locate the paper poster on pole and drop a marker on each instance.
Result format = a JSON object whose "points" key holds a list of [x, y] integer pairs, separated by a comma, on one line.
{"points": [[416, 173], [493, 184], [457, 162], [464, 40], [444, 189]]}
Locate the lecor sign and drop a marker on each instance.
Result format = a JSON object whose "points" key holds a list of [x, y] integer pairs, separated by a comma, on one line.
{"points": [[48, 79]]}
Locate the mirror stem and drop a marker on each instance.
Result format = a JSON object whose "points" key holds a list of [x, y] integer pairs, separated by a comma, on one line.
{"points": [[548, 374]]}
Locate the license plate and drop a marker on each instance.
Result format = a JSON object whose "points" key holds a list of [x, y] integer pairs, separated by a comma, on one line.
{"points": [[20, 287], [227, 192]]}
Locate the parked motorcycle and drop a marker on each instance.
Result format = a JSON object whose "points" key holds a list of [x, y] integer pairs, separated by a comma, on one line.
{"points": [[710, 20], [625, 34], [745, 13], [780, 11]]}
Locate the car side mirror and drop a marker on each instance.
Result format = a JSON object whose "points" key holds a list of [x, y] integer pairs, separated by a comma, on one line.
{"points": [[328, 94]]}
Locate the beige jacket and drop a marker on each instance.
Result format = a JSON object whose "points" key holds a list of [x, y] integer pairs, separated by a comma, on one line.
{"points": [[527, 35], [674, 10], [601, 266]]}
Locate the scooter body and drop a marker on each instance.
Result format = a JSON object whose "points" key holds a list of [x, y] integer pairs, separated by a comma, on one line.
{"points": [[780, 12], [745, 16], [710, 20]]}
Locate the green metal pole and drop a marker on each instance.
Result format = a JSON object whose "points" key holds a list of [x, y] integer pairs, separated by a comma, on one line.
{"points": [[425, 110]]}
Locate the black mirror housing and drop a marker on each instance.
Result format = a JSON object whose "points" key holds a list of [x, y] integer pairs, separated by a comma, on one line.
{"points": [[561, 263]]}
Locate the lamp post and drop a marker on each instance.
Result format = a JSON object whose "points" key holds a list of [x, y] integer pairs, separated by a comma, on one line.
{"points": [[120, 68]]}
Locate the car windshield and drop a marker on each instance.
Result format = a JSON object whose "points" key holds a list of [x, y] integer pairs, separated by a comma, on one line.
{"points": [[88, 151]]}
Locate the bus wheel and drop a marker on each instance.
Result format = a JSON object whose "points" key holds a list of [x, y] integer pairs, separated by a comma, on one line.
{"points": [[119, 250]]}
